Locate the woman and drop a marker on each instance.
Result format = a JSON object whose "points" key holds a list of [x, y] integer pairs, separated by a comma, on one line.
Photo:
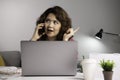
{"points": [[53, 24]]}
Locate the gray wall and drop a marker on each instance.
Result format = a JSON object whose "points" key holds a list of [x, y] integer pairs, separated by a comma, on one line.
{"points": [[18, 17]]}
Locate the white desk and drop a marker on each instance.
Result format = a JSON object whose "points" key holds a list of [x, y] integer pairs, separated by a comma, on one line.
{"points": [[18, 72], [79, 76]]}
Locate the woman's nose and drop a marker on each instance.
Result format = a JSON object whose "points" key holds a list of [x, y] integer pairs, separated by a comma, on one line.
{"points": [[51, 24]]}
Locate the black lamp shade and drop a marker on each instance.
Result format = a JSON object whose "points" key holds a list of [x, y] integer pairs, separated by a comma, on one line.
{"points": [[99, 34]]}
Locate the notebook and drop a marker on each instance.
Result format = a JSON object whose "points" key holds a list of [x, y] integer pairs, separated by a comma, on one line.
{"points": [[49, 58]]}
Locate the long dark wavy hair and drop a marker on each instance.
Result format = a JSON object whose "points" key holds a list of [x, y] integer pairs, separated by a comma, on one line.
{"points": [[61, 15]]}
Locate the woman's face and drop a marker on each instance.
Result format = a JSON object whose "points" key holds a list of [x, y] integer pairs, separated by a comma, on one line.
{"points": [[52, 26]]}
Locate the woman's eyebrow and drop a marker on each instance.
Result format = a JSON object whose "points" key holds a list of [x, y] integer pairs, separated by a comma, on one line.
{"points": [[52, 20], [47, 19]]}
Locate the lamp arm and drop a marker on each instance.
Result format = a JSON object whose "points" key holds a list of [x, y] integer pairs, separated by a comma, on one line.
{"points": [[111, 33]]}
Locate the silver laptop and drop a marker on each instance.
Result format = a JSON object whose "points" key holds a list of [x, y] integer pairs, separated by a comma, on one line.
{"points": [[49, 58]]}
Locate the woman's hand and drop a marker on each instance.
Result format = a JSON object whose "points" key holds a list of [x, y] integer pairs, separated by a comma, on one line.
{"points": [[39, 31], [69, 34]]}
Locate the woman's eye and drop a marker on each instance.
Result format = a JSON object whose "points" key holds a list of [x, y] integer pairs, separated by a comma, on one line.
{"points": [[55, 22], [47, 21]]}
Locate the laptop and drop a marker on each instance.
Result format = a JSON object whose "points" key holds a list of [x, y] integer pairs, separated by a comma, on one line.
{"points": [[49, 58]]}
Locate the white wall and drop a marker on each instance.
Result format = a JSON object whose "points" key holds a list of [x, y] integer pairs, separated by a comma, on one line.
{"points": [[18, 17]]}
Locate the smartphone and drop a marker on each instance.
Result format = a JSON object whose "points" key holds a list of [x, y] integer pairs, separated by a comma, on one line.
{"points": [[40, 31]]}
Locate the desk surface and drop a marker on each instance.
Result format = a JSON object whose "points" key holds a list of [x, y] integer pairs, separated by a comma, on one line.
{"points": [[15, 74], [12, 73], [79, 76]]}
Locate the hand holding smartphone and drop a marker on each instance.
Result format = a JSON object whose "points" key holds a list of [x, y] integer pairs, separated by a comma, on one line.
{"points": [[41, 29]]}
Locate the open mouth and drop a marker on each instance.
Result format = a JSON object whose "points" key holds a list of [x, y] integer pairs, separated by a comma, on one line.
{"points": [[50, 30]]}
